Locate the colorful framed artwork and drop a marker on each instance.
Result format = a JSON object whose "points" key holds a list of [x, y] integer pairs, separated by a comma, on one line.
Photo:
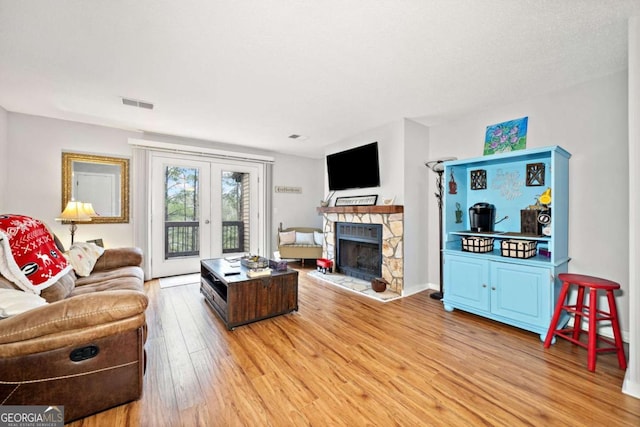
{"points": [[506, 136]]}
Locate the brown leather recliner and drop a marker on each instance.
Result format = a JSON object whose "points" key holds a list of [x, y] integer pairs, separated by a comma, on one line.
{"points": [[83, 350]]}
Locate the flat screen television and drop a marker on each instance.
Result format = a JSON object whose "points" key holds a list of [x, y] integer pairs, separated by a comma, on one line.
{"points": [[354, 168]]}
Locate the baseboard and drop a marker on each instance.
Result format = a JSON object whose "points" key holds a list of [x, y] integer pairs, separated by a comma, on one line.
{"points": [[417, 289]]}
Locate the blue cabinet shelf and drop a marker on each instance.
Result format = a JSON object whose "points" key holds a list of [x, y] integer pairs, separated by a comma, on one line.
{"points": [[517, 291]]}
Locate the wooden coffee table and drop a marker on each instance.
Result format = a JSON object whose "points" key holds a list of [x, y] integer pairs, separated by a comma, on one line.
{"points": [[239, 299]]}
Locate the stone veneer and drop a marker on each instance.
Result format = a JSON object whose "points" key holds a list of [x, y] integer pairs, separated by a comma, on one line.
{"points": [[392, 241]]}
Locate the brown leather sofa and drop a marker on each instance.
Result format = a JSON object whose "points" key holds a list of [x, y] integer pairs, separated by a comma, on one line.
{"points": [[83, 350]]}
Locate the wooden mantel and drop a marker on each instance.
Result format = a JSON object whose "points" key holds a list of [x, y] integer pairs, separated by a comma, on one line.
{"points": [[377, 209]]}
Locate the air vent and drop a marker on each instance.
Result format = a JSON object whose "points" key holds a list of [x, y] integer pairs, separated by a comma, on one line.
{"points": [[137, 103]]}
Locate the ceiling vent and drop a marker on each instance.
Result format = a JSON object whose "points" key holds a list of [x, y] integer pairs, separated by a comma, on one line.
{"points": [[137, 103]]}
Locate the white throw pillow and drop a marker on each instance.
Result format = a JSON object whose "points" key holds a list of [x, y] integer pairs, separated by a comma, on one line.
{"points": [[83, 257], [304, 238], [318, 238], [287, 237], [13, 301]]}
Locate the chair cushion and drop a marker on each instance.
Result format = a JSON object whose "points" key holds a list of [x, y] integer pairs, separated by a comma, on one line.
{"points": [[131, 278]]}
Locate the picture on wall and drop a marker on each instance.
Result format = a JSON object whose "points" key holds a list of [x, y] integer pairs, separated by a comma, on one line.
{"points": [[506, 136]]}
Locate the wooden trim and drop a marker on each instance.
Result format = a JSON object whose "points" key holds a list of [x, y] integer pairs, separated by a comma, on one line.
{"points": [[378, 209]]}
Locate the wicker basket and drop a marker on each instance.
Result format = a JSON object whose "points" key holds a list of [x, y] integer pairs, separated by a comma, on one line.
{"points": [[477, 244], [519, 248]]}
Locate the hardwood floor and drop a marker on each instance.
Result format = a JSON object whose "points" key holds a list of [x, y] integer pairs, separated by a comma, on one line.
{"points": [[347, 360]]}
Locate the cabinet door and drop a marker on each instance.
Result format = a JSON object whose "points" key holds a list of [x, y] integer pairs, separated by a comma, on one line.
{"points": [[521, 293], [466, 282]]}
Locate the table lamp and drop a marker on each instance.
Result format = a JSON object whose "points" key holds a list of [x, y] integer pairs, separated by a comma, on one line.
{"points": [[74, 212]]}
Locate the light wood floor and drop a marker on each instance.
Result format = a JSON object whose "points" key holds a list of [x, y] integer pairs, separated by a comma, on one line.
{"points": [[347, 360]]}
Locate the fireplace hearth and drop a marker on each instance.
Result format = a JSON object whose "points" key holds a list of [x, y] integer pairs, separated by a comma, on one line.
{"points": [[359, 250]]}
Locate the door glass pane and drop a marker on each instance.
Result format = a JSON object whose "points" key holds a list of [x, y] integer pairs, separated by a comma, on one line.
{"points": [[235, 212], [182, 211]]}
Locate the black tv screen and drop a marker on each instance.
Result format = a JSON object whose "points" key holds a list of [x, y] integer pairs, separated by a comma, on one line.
{"points": [[354, 168]]}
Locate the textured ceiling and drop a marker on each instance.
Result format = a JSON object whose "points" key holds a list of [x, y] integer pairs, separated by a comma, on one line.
{"points": [[254, 72]]}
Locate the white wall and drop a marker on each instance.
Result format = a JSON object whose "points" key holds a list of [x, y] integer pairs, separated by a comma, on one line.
{"points": [[292, 209], [416, 202], [590, 121], [34, 146], [4, 159], [631, 383]]}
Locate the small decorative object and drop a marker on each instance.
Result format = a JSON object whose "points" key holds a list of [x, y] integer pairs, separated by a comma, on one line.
{"points": [[324, 264], [254, 262], [388, 201], [458, 213], [506, 136], [479, 179], [544, 219], [529, 222], [357, 200], [278, 265], [324, 203], [287, 189], [535, 174], [509, 183], [453, 186], [545, 198], [379, 284]]}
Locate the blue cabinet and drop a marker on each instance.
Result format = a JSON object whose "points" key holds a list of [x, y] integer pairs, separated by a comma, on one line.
{"points": [[517, 291]]}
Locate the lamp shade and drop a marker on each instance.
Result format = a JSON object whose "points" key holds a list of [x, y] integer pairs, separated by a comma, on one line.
{"points": [[74, 211], [88, 209], [438, 165]]}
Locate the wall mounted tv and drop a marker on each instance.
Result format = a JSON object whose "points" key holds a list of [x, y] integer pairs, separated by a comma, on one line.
{"points": [[354, 168]]}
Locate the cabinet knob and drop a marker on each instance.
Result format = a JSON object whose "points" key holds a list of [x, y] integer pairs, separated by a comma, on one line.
{"points": [[493, 288], [484, 285]]}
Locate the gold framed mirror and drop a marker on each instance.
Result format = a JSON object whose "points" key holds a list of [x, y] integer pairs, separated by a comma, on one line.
{"points": [[100, 180]]}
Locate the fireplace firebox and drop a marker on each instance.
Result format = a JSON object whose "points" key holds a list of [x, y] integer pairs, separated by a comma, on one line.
{"points": [[359, 250]]}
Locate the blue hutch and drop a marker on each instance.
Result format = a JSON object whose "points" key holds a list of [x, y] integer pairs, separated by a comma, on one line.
{"points": [[497, 279]]}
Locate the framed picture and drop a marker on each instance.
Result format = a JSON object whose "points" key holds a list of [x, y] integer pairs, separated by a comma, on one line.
{"points": [[506, 136], [357, 200]]}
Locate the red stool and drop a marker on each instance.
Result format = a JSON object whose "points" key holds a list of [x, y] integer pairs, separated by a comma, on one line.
{"points": [[589, 311]]}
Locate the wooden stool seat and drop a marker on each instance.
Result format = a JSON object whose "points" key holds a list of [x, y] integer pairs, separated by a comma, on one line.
{"points": [[591, 312]]}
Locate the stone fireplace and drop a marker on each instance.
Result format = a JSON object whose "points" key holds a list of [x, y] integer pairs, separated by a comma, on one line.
{"points": [[390, 221]]}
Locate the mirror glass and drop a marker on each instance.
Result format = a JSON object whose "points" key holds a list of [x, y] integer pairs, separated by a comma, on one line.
{"points": [[100, 180]]}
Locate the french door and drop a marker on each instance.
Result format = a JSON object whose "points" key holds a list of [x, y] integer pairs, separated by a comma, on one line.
{"points": [[202, 208]]}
